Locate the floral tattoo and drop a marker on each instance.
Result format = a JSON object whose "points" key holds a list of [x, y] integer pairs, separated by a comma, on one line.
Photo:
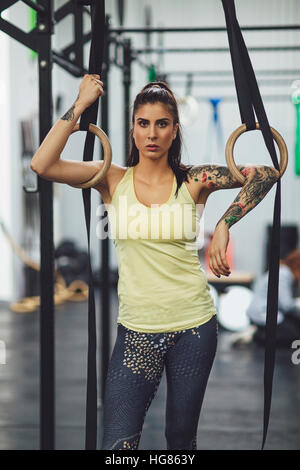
{"points": [[258, 181]]}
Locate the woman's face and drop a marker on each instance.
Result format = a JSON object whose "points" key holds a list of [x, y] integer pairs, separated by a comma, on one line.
{"points": [[153, 125]]}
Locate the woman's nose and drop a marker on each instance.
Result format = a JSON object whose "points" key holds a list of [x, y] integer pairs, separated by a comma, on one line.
{"points": [[152, 132]]}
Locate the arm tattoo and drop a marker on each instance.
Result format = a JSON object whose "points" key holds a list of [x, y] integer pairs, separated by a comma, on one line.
{"points": [[216, 177], [255, 188], [69, 116]]}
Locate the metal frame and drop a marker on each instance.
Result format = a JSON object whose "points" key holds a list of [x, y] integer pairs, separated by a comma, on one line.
{"points": [[209, 73], [105, 268], [226, 83], [71, 59], [39, 40], [232, 98], [193, 50], [213, 29]]}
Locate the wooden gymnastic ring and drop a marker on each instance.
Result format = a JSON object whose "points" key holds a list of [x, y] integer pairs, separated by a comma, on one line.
{"points": [[107, 157], [230, 146]]}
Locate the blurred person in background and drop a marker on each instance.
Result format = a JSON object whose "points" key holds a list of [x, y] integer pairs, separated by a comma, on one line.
{"points": [[288, 316]]}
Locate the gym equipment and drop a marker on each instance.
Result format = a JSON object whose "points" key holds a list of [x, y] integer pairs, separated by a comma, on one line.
{"points": [[188, 110], [107, 157], [39, 40], [214, 132], [232, 308], [230, 147], [249, 100], [295, 96], [87, 122], [76, 290]]}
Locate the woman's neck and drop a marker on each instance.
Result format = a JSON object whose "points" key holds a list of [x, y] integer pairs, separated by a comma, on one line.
{"points": [[153, 172]]}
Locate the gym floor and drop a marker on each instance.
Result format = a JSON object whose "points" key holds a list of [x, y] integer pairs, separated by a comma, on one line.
{"points": [[231, 417]]}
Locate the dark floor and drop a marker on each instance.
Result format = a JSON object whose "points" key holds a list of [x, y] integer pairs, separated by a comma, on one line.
{"points": [[232, 411]]}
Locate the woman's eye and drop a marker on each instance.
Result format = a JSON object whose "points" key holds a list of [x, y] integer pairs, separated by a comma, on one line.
{"points": [[144, 124]]}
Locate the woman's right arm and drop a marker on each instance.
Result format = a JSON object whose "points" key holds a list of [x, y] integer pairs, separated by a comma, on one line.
{"points": [[46, 162]]}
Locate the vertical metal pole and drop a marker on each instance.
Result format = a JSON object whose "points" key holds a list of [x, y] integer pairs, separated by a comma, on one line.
{"points": [[121, 11], [47, 362], [105, 270], [78, 33], [127, 59]]}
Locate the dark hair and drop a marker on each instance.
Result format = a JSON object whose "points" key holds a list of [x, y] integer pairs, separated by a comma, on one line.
{"points": [[159, 92], [292, 260]]}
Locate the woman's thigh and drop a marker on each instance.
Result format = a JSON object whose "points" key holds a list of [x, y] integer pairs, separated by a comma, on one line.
{"points": [[134, 373], [188, 365]]}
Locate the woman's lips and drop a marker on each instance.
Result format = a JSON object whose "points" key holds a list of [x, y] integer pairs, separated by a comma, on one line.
{"points": [[152, 147]]}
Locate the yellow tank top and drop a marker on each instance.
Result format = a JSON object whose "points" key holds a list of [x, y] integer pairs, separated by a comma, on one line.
{"points": [[162, 286]]}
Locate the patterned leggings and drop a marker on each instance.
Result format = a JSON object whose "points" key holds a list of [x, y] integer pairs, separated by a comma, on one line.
{"points": [[134, 373]]}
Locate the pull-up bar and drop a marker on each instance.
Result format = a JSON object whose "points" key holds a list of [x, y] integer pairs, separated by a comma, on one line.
{"points": [[209, 73], [232, 98], [149, 50], [208, 83], [121, 30]]}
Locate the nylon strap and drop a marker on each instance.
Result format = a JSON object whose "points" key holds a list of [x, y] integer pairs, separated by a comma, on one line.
{"points": [[87, 117], [250, 103]]}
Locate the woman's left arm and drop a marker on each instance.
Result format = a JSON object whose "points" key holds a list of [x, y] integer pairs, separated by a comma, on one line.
{"points": [[258, 182]]}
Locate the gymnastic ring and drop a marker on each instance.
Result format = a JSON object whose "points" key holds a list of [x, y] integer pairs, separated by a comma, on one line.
{"points": [[107, 157], [230, 146]]}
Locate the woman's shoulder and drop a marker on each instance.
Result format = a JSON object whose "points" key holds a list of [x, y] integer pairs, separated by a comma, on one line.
{"points": [[115, 174], [107, 186], [194, 184], [188, 172], [116, 170]]}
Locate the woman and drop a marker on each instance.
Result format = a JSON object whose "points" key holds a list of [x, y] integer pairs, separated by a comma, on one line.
{"points": [[166, 313], [288, 315]]}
